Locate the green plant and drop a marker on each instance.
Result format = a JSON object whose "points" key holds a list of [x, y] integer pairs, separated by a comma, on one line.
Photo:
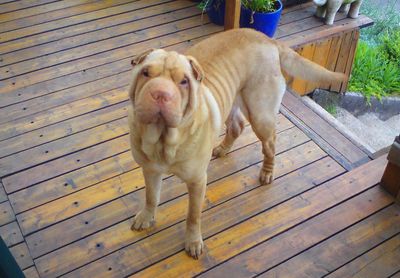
{"points": [[391, 46], [376, 70], [331, 109], [374, 73], [204, 5], [260, 6]]}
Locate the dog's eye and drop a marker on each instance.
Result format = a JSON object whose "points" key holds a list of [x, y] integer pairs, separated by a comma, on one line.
{"points": [[145, 72], [184, 81]]}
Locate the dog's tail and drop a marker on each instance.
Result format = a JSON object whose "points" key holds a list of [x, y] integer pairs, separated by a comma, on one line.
{"points": [[319, 2], [297, 66]]}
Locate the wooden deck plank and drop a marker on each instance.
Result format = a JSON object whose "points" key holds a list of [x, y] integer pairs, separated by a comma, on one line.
{"points": [[73, 85], [249, 233], [85, 50], [369, 263], [221, 191], [62, 112], [101, 52], [6, 213], [21, 255], [114, 212], [286, 245], [19, 5], [59, 130], [348, 244], [321, 32], [68, 183], [104, 58], [31, 272], [3, 195], [65, 164], [9, 16], [149, 17], [30, 24], [18, 83], [302, 24], [87, 183], [58, 148], [23, 93], [128, 182], [333, 137], [11, 234], [89, 175], [128, 13]]}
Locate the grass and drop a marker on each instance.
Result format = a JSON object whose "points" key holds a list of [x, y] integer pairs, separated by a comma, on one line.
{"points": [[376, 70], [331, 109]]}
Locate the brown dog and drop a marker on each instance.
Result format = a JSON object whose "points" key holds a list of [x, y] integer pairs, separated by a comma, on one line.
{"points": [[180, 102]]}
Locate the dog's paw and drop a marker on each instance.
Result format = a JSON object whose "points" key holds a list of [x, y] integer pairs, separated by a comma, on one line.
{"points": [[219, 151], [143, 220], [194, 248], [266, 177]]}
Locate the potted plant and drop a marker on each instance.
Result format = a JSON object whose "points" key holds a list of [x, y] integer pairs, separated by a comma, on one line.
{"points": [[262, 15], [215, 10]]}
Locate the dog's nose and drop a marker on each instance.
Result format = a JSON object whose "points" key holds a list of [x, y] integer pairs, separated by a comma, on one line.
{"points": [[161, 96]]}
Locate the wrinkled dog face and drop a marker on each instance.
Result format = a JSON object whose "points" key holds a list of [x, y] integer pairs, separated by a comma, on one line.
{"points": [[164, 87]]}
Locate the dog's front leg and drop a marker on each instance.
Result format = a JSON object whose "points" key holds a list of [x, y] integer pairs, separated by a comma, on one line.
{"points": [[194, 242], [145, 218]]}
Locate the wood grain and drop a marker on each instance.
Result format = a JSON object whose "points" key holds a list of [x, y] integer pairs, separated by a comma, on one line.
{"points": [[276, 251], [259, 228], [214, 218], [379, 261]]}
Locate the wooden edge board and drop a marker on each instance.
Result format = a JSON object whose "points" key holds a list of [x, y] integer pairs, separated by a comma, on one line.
{"points": [[346, 148], [323, 32], [11, 234], [22, 255], [340, 127], [3, 194], [6, 213], [31, 272], [317, 139]]}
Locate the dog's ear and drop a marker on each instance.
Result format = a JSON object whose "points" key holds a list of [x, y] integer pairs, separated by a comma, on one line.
{"points": [[196, 68], [140, 58]]}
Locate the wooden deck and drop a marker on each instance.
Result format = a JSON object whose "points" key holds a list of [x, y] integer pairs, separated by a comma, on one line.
{"points": [[69, 186]]}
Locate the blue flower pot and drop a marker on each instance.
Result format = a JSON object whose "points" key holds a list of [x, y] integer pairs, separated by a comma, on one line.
{"points": [[266, 23], [216, 13]]}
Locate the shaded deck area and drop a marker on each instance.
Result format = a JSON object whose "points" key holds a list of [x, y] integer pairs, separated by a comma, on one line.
{"points": [[69, 186]]}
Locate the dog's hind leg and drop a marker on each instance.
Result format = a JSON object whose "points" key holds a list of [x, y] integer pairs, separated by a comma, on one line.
{"points": [[263, 104], [234, 127]]}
